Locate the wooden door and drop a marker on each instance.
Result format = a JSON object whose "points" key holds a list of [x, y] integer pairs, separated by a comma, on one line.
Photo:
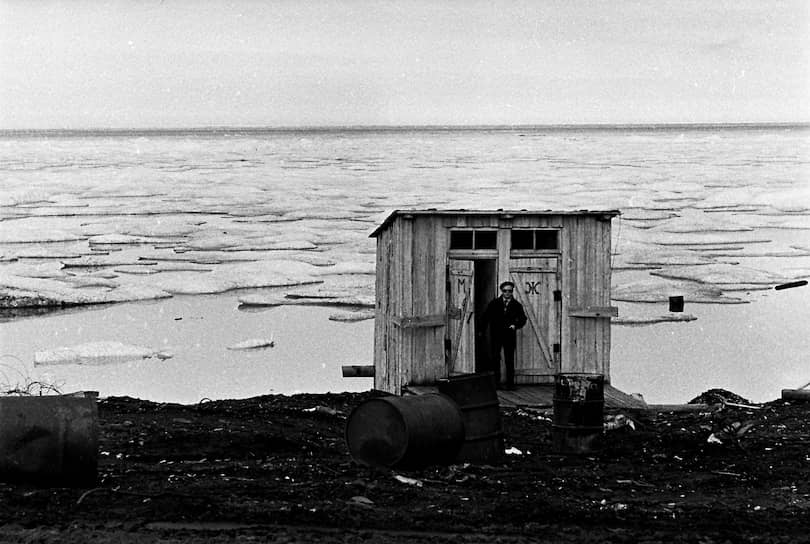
{"points": [[460, 355], [537, 288]]}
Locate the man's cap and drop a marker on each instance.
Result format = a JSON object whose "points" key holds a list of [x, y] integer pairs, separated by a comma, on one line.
{"points": [[504, 284]]}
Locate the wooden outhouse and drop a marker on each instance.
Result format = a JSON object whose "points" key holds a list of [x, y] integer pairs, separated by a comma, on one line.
{"points": [[438, 269]]}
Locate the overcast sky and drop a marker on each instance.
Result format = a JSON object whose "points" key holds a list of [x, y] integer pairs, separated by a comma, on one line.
{"points": [[184, 63]]}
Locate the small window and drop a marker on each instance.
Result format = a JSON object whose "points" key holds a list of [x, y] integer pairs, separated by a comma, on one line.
{"points": [[486, 239], [535, 240], [461, 239], [473, 239], [522, 239], [546, 239]]}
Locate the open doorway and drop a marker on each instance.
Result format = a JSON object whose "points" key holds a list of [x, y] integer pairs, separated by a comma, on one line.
{"points": [[486, 288]]}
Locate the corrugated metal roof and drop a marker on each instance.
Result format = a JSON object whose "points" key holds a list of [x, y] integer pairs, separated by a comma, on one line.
{"points": [[390, 219]]}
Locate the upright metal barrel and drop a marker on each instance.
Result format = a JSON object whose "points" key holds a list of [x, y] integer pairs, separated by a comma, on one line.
{"points": [[408, 432], [477, 398], [51, 440], [579, 405]]}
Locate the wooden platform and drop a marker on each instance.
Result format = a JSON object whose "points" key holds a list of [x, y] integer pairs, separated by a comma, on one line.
{"points": [[542, 396]]}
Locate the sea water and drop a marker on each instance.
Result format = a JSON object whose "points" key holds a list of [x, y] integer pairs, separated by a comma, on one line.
{"points": [[193, 238]]}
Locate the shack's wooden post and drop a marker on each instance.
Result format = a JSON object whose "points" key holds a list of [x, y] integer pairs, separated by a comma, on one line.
{"points": [[436, 269]]}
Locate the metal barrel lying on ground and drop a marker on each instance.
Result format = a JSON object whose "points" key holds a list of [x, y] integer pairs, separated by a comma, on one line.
{"points": [[407, 432]]}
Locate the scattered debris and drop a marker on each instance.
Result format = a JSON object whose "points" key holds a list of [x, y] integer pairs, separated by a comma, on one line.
{"points": [[513, 451], [359, 500], [323, 410], [409, 481], [731, 432], [618, 421]]}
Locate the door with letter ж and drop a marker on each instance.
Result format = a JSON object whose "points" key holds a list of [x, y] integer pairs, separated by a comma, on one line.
{"points": [[538, 288]]}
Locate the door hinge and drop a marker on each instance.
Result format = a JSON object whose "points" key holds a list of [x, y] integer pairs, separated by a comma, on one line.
{"points": [[556, 348], [557, 295]]}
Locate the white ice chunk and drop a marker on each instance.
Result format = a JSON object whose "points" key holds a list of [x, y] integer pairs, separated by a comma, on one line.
{"points": [[94, 353], [636, 320], [253, 343], [349, 316]]}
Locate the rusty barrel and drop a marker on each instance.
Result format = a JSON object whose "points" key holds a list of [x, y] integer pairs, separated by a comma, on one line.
{"points": [[49, 440], [408, 432], [579, 406], [477, 398]]}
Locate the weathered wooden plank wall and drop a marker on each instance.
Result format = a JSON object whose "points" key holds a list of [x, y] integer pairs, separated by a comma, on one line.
{"points": [[586, 284]]}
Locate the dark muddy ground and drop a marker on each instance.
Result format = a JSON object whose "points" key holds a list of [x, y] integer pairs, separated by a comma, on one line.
{"points": [[277, 469]]}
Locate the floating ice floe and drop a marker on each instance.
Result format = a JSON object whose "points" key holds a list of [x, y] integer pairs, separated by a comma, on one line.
{"points": [[253, 343], [19, 292], [630, 254], [729, 277], [99, 261], [36, 235], [97, 353], [651, 319], [239, 276], [308, 299], [705, 239], [352, 316], [162, 267], [163, 226], [646, 215], [652, 290]]}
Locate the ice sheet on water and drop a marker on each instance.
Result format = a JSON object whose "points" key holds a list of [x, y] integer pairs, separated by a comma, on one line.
{"points": [[24, 196], [127, 239], [162, 226], [35, 235], [315, 299], [227, 277], [728, 277], [162, 267], [202, 257], [349, 267], [659, 289], [348, 316], [698, 239], [639, 320], [631, 254], [101, 261], [21, 292], [95, 353], [703, 227]]}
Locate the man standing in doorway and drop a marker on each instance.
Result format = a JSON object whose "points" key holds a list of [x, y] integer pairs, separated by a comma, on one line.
{"points": [[505, 316]]}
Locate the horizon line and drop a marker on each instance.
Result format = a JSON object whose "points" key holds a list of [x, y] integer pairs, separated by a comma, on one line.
{"points": [[434, 127]]}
